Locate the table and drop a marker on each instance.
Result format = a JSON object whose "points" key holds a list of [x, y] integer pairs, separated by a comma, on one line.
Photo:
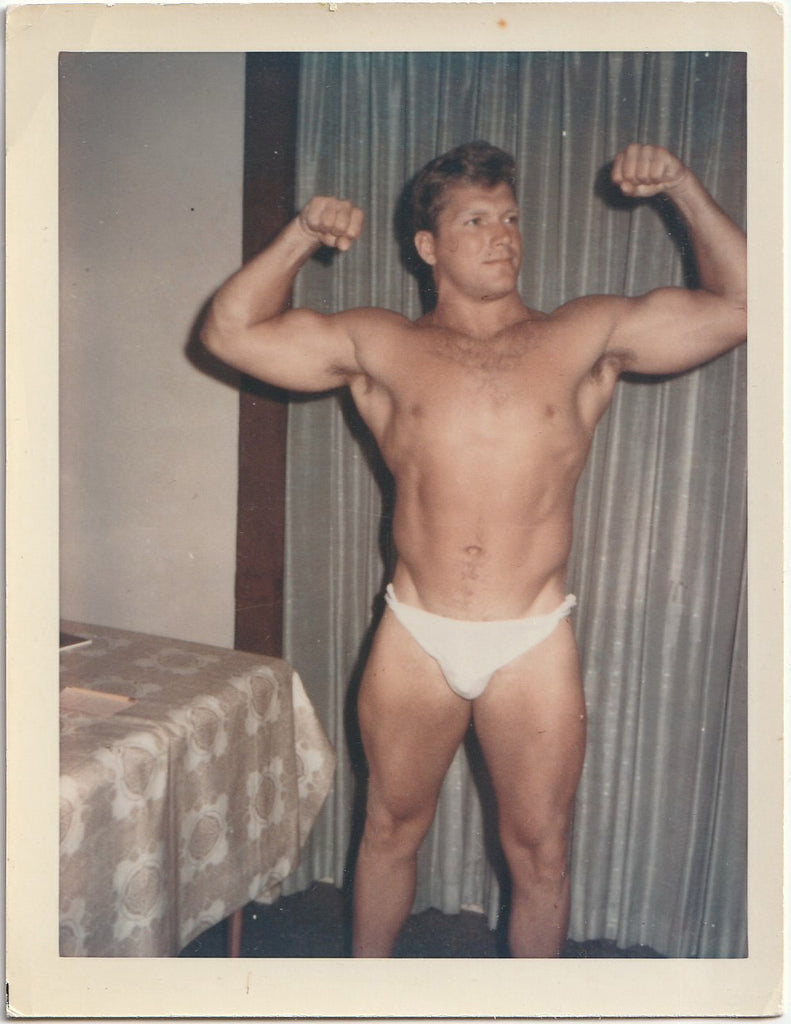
{"points": [[192, 800]]}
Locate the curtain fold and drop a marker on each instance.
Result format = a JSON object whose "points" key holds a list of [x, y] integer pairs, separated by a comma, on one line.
{"points": [[658, 563]]}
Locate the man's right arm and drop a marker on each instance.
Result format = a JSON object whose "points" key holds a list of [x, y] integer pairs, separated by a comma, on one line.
{"points": [[246, 325]]}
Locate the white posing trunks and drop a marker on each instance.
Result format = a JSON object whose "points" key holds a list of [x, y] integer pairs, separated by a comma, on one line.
{"points": [[470, 652]]}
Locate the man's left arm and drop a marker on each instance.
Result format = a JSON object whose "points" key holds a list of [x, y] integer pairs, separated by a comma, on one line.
{"points": [[673, 329]]}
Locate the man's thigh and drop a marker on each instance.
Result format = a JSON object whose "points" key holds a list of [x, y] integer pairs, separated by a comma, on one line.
{"points": [[531, 725], [411, 721]]}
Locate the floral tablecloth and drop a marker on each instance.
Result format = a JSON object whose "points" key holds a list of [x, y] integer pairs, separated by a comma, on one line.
{"points": [[187, 803]]}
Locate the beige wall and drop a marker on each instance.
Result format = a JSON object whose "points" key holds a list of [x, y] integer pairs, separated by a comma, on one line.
{"points": [[151, 208]]}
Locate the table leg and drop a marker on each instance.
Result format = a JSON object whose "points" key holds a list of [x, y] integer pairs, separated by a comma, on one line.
{"points": [[235, 932]]}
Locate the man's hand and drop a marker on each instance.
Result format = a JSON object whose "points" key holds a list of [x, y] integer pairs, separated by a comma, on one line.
{"points": [[333, 222], [643, 171]]}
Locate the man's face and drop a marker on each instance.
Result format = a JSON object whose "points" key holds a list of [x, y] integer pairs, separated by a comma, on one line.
{"points": [[476, 248]]}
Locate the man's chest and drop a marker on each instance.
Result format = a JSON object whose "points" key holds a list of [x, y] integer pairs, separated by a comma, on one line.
{"points": [[482, 409], [514, 377], [521, 387]]}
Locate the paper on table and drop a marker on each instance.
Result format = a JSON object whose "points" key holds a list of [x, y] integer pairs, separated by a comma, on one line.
{"points": [[69, 640], [92, 702]]}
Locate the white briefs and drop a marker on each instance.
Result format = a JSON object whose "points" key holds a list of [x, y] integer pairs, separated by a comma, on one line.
{"points": [[470, 652]]}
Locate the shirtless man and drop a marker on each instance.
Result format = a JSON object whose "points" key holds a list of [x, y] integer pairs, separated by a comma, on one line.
{"points": [[483, 410]]}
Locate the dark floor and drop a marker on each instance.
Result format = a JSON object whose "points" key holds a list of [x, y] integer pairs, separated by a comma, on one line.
{"points": [[311, 923]]}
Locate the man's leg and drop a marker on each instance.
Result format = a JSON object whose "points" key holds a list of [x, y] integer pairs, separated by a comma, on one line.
{"points": [[531, 725], [411, 724]]}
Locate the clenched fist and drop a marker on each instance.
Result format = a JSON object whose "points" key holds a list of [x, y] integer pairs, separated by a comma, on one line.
{"points": [[334, 222], [643, 171]]}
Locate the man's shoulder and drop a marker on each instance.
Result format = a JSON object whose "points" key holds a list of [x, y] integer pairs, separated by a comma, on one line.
{"points": [[588, 322], [582, 329], [378, 336], [587, 306], [375, 317]]}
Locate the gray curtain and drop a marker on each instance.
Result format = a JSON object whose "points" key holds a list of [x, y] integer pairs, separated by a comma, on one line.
{"points": [[659, 851]]}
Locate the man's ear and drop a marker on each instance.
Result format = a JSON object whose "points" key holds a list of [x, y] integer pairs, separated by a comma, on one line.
{"points": [[424, 243]]}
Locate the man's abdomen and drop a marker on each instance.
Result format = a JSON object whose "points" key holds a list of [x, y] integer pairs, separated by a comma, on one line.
{"points": [[481, 558]]}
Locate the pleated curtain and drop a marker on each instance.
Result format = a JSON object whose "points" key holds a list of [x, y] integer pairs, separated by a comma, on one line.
{"points": [[659, 557]]}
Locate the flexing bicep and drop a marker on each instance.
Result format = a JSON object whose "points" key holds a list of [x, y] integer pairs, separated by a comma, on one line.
{"points": [[674, 329], [299, 350]]}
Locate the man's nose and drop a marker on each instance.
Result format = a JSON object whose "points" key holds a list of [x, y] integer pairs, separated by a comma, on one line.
{"points": [[501, 234]]}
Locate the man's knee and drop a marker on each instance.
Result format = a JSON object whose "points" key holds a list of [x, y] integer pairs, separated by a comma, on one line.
{"points": [[541, 851], [396, 830]]}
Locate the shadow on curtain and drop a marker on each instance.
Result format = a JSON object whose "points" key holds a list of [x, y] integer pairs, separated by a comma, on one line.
{"points": [[659, 853]]}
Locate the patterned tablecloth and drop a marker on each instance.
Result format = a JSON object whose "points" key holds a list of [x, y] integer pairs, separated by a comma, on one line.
{"points": [[190, 801]]}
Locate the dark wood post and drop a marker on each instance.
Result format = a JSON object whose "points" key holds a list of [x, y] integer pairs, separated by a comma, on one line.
{"points": [[271, 88]]}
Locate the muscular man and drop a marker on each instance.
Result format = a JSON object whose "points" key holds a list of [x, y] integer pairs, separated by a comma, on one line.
{"points": [[483, 410]]}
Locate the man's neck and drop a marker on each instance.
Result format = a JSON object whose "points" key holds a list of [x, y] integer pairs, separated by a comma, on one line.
{"points": [[479, 319]]}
